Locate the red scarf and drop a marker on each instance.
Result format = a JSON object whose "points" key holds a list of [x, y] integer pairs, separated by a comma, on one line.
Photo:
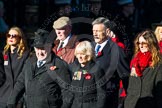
{"points": [[160, 45], [140, 62]]}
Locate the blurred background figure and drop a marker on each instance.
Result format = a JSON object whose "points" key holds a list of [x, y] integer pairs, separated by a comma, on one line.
{"points": [[115, 36], [124, 20], [145, 82], [158, 32], [3, 26], [15, 54]]}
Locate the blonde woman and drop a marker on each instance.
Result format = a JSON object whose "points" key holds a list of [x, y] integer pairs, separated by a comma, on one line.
{"points": [[15, 53], [145, 82], [86, 77]]}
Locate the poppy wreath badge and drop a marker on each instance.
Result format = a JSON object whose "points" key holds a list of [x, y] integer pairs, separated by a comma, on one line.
{"points": [[99, 53], [88, 76], [52, 68], [5, 57]]}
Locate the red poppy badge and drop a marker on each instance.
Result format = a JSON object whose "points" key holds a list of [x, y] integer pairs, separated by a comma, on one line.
{"points": [[99, 54], [5, 57], [52, 68], [88, 76]]}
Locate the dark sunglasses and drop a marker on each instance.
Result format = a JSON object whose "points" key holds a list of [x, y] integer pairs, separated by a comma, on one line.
{"points": [[142, 43], [12, 35]]}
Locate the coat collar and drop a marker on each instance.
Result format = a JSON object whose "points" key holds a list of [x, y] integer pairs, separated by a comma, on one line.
{"points": [[50, 61], [87, 67]]}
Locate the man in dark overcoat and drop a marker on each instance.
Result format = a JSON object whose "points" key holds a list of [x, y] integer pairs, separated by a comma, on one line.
{"points": [[111, 58], [44, 79]]}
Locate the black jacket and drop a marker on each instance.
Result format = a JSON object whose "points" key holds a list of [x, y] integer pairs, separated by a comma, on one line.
{"points": [[88, 92], [13, 67], [145, 91]]}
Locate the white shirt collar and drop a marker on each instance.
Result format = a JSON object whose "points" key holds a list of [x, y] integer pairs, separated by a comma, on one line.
{"points": [[102, 45], [66, 41], [42, 63]]}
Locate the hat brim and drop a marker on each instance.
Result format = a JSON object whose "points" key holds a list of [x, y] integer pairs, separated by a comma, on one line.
{"points": [[155, 25]]}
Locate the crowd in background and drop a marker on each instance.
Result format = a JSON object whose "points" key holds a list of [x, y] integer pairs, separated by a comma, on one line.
{"points": [[80, 54]]}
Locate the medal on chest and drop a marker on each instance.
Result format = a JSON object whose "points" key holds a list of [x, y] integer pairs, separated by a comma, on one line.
{"points": [[77, 75]]}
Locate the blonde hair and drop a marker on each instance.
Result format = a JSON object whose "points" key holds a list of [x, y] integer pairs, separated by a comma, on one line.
{"points": [[158, 28], [86, 48], [22, 45], [153, 46]]}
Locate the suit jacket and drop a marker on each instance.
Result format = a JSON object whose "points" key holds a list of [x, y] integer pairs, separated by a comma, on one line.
{"points": [[115, 64], [145, 91], [87, 89], [66, 53], [13, 67], [43, 86]]}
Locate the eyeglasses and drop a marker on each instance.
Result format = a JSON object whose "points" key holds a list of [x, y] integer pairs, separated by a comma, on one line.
{"points": [[142, 43], [12, 35]]}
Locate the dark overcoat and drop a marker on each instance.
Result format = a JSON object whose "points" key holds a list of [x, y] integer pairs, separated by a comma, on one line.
{"points": [[13, 67], [145, 91], [88, 92], [115, 64], [43, 86]]}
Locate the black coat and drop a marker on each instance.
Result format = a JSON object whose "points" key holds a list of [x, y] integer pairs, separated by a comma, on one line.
{"points": [[43, 87], [2, 73], [145, 91], [88, 93], [13, 67], [115, 64]]}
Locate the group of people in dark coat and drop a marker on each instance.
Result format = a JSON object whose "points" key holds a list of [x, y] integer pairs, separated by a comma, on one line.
{"points": [[51, 78]]}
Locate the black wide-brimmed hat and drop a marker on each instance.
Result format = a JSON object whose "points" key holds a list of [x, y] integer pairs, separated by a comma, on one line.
{"points": [[154, 25], [40, 38]]}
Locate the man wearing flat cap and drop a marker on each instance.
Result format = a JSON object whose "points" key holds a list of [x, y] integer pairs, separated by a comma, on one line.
{"points": [[65, 43], [44, 78]]}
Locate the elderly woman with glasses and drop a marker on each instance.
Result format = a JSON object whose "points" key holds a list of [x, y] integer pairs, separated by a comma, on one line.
{"points": [[14, 54], [145, 82]]}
